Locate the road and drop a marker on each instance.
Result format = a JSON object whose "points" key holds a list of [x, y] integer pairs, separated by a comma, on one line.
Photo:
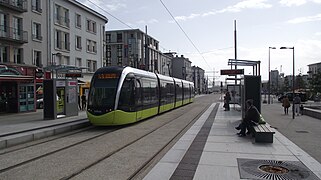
{"points": [[304, 131]]}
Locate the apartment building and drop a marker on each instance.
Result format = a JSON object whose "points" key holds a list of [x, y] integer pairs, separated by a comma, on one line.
{"points": [[199, 80], [39, 37], [182, 68], [132, 48], [22, 50]]}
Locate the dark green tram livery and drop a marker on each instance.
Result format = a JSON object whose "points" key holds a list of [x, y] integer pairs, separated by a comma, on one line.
{"points": [[123, 95]]}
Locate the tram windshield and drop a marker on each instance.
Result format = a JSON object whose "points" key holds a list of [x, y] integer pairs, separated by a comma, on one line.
{"points": [[102, 94]]}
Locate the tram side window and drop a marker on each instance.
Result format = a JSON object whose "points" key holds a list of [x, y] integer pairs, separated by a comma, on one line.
{"points": [[186, 93], [126, 98], [179, 94], [146, 93], [154, 93], [138, 95]]}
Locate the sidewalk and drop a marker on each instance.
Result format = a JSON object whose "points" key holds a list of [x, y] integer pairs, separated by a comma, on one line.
{"points": [[24, 127], [227, 156]]}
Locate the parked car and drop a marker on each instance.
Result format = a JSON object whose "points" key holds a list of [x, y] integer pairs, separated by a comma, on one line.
{"points": [[39, 101], [302, 95]]}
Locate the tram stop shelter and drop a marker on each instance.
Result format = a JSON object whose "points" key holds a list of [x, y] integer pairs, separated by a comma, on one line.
{"points": [[61, 93]]}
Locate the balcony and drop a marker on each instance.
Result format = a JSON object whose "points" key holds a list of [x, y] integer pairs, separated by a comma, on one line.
{"points": [[13, 34], [61, 20], [17, 5]]}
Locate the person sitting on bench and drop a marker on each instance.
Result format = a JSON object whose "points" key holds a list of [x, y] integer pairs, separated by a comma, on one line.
{"points": [[251, 118]]}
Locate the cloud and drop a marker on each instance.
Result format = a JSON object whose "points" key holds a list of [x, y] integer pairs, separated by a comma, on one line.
{"points": [[305, 19], [111, 6], [247, 4], [151, 21], [290, 3], [318, 34]]}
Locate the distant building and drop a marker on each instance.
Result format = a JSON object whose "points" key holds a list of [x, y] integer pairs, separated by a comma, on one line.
{"points": [[274, 81], [182, 68], [37, 35], [314, 69], [199, 79], [133, 48]]}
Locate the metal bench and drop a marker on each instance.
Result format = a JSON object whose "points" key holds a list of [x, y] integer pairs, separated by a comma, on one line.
{"points": [[263, 133]]}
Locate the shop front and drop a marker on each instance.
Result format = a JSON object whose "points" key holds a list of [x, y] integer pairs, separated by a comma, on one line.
{"points": [[17, 88]]}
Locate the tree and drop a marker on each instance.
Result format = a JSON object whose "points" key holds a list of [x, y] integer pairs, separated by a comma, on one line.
{"points": [[315, 82], [286, 86], [299, 82]]}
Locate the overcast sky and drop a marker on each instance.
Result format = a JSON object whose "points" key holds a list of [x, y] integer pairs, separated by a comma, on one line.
{"points": [[210, 26]]}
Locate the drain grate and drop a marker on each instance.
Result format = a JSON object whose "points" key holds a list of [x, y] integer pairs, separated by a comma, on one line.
{"points": [[275, 170]]}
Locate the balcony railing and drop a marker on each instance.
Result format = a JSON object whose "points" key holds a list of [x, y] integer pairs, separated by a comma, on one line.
{"points": [[18, 5], [61, 20], [13, 34], [37, 37], [36, 8]]}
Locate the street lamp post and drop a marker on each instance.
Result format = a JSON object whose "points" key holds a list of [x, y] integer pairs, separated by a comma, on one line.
{"points": [[269, 87], [53, 61], [293, 113]]}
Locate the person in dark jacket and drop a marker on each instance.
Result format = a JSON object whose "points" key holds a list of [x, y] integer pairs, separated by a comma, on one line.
{"points": [[83, 101], [251, 118], [227, 99]]}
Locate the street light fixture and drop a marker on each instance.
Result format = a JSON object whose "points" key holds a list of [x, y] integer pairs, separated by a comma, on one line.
{"points": [[293, 113], [269, 87], [52, 63]]}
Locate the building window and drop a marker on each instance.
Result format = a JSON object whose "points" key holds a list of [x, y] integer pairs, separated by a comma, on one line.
{"points": [[94, 66], [4, 54], [78, 20], [119, 37], [91, 26], [78, 62], [37, 58], [36, 5], [36, 31], [108, 36], [91, 65], [78, 42], [67, 60], [61, 15], [17, 28], [91, 46], [62, 40], [17, 55]]}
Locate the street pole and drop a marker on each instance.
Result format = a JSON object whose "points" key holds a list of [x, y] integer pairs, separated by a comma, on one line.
{"points": [[293, 83], [293, 78], [269, 85]]}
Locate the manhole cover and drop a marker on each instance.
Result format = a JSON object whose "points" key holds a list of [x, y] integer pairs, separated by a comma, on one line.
{"points": [[274, 170]]}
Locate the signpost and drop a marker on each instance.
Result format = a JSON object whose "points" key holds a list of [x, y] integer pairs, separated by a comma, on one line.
{"points": [[232, 72]]}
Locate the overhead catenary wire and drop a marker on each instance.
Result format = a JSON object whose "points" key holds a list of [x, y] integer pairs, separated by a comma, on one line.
{"points": [[110, 14], [184, 32]]}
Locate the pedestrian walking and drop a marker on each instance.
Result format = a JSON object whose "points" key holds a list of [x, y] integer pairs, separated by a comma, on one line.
{"points": [[79, 105], [83, 101], [297, 102], [286, 104]]}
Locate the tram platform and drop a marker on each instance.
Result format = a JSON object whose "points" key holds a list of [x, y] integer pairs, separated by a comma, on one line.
{"points": [[19, 128], [210, 149]]}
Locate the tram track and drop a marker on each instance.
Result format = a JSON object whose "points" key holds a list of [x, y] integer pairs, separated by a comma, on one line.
{"points": [[121, 148], [6, 155], [73, 160]]}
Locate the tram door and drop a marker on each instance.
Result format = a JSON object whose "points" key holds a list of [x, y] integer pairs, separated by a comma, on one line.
{"points": [[138, 99]]}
